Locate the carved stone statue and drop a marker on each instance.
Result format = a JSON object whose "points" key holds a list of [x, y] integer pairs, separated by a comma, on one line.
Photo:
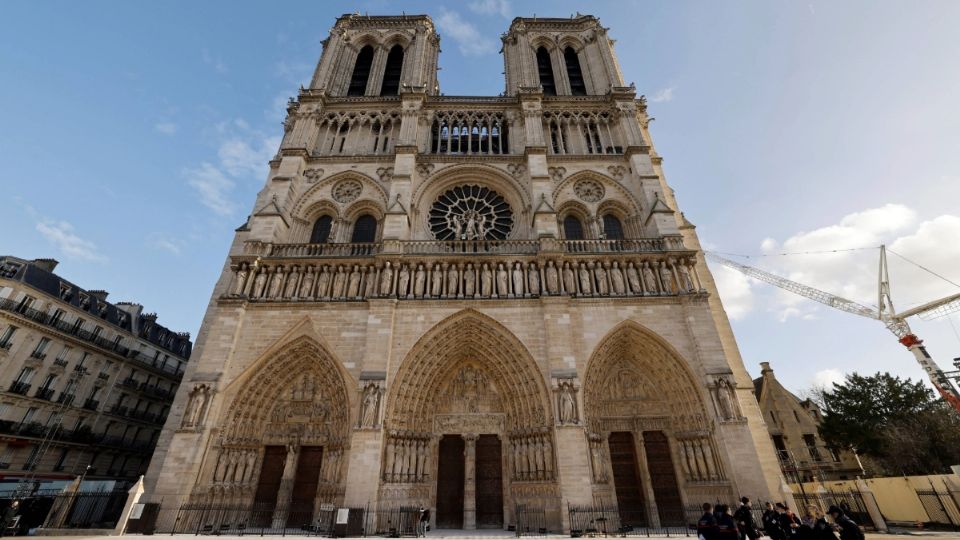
{"points": [[533, 279], [276, 284], [725, 399], [386, 279], [568, 404], [650, 280], [323, 282], [260, 283], [369, 407], [569, 280], [686, 282], [586, 287], [469, 281], [436, 281], [403, 281], [339, 282], [370, 281], [601, 274], [503, 281], [453, 280], [633, 278], [291, 289], [486, 281], [196, 410], [666, 278], [616, 278], [240, 282], [517, 276], [552, 278], [353, 289], [419, 281]]}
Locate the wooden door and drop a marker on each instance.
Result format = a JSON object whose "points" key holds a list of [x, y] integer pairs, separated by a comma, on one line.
{"points": [[305, 486], [489, 483], [626, 480], [450, 483], [663, 478], [271, 473]]}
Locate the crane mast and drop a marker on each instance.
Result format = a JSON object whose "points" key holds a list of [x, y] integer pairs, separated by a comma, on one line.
{"points": [[885, 313]]}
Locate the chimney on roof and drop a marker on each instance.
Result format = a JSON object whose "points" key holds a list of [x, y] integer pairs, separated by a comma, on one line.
{"points": [[150, 317], [765, 368], [46, 264], [99, 294]]}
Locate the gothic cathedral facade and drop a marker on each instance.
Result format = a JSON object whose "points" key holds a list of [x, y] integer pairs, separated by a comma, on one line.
{"points": [[471, 304]]}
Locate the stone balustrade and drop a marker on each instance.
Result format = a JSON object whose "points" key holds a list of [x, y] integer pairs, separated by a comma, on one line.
{"points": [[453, 275]]}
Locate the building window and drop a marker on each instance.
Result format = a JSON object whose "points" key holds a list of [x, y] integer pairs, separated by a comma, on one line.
{"points": [[797, 416], [26, 375], [41, 349], [7, 456], [391, 75], [545, 69], [361, 72], [25, 303], [83, 358], [612, 228], [48, 382], [364, 229], [4, 407], [61, 461], [577, 86], [28, 416], [5, 339], [77, 325], [97, 330], [321, 230], [572, 228], [64, 352], [57, 316], [811, 442], [29, 463]]}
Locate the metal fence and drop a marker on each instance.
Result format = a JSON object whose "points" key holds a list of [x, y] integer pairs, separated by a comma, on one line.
{"points": [[392, 522], [33, 508], [941, 507], [608, 520], [851, 502], [530, 520], [86, 509], [266, 518]]}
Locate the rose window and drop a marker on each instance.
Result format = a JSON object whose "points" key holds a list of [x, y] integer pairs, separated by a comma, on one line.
{"points": [[471, 212]]}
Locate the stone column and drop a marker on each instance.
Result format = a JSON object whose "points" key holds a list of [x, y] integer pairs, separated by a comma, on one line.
{"points": [[285, 493], [872, 507], [470, 481], [644, 468]]}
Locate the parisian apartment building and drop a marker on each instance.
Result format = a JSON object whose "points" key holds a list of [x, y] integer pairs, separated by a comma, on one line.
{"points": [[794, 424], [85, 384]]}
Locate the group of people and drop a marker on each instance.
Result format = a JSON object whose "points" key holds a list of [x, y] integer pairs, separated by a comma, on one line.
{"points": [[720, 522]]}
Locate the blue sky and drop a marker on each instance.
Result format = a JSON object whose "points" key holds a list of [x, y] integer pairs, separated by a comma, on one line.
{"points": [[134, 136]]}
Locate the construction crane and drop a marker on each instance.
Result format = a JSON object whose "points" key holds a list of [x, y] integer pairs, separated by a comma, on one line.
{"points": [[884, 312]]}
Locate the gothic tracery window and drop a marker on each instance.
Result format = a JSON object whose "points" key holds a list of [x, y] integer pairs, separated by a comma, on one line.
{"points": [[612, 228], [545, 70], [471, 212], [391, 75], [574, 73], [361, 72], [364, 229], [321, 230], [572, 228]]}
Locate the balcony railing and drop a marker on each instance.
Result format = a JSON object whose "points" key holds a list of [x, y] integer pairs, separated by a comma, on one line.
{"points": [[66, 399], [19, 388], [60, 325], [38, 355], [91, 404], [44, 393]]}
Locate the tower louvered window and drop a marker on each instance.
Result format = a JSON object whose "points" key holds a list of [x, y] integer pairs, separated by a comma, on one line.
{"points": [[574, 73], [545, 69], [361, 72], [391, 76]]}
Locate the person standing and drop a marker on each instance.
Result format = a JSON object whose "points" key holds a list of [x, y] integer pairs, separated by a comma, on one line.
{"points": [[849, 530], [424, 521], [707, 526], [9, 516], [745, 521], [726, 526], [771, 523], [789, 521]]}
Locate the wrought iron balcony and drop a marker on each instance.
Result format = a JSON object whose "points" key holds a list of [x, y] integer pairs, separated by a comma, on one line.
{"points": [[44, 393], [91, 404], [38, 355], [60, 362], [19, 388]]}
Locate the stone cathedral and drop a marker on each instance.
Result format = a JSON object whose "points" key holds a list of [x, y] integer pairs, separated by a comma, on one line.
{"points": [[469, 303]]}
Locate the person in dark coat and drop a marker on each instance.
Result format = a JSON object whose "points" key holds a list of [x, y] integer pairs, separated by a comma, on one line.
{"points": [[771, 523], [726, 525], [9, 516], [849, 530], [745, 522], [707, 526], [789, 521]]}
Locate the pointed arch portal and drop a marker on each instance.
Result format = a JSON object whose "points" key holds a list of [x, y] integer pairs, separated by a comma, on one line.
{"points": [[469, 398]]}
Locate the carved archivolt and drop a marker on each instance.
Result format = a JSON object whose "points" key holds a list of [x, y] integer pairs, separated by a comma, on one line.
{"points": [[631, 374], [468, 364]]}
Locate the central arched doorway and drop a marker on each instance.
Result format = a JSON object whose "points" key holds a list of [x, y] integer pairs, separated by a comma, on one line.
{"points": [[652, 442], [469, 431]]}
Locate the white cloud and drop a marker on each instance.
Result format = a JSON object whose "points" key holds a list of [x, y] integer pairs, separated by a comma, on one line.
{"points": [[491, 7], [664, 94], [468, 38], [852, 274], [167, 128], [735, 291], [159, 241], [213, 187], [215, 62], [243, 155], [825, 378], [61, 234]]}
